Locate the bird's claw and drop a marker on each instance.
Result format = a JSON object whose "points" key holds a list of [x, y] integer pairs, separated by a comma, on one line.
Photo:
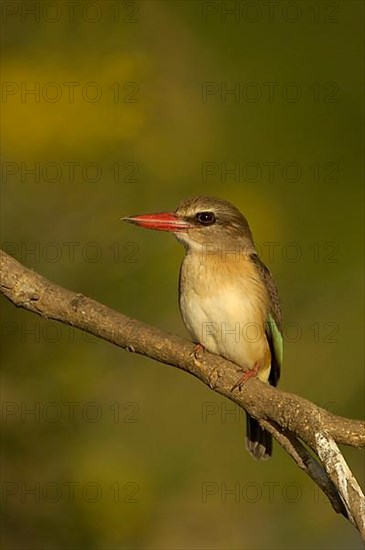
{"points": [[198, 352], [247, 374]]}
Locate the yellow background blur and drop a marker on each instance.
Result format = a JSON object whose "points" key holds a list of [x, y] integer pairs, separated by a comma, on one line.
{"points": [[135, 106]]}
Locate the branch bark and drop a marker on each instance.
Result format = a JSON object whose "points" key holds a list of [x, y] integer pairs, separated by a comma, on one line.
{"points": [[291, 419]]}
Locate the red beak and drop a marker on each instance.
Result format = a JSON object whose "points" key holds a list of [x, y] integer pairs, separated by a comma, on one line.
{"points": [[164, 221]]}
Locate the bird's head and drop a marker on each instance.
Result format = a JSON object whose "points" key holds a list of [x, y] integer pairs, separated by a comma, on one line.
{"points": [[201, 221]]}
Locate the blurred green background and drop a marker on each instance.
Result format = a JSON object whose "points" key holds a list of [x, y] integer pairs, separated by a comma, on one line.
{"points": [[119, 451]]}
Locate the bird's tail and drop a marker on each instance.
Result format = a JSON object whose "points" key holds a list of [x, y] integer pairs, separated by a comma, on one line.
{"points": [[258, 441]]}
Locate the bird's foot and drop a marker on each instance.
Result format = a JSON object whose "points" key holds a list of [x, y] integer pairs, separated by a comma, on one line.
{"points": [[198, 352], [245, 376]]}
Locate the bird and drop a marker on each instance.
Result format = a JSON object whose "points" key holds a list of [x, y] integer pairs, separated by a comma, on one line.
{"points": [[228, 299]]}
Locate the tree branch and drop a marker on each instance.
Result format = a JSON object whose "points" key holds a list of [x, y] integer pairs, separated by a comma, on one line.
{"points": [[287, 416]]}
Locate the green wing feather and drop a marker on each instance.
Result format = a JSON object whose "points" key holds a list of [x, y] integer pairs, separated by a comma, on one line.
{"points": [[273, 323], [275, 339]]}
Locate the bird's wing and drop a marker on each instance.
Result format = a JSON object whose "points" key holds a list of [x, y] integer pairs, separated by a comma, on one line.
{"points": [[273, 322]]}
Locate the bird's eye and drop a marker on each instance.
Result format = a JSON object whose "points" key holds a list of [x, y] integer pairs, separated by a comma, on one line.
{"points": [[205, 218]]}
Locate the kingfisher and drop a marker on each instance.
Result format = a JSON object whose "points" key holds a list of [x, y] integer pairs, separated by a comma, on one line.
{"points": [[228, 299]]}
